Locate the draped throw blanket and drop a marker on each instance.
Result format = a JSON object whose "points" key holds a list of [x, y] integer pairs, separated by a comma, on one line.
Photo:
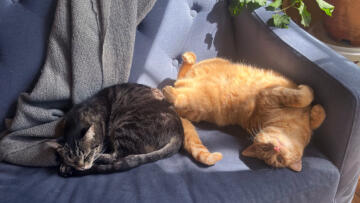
{"points": [[90, 47]]}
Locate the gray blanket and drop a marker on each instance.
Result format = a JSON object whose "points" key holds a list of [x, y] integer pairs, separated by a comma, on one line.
{"points": [[90, 47]]}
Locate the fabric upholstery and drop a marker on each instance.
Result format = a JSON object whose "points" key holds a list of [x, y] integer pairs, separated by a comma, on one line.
{"points": [[24, 29], [160, 41], [180, 179], [334, 79], [85, 54], [204, 27]]}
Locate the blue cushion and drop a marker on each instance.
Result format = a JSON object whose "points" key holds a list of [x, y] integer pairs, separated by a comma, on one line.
{"points": [[174, 27], [24, 29], [171, 28], [180, 179]]}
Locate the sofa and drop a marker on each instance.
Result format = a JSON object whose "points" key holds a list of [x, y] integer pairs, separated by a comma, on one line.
{"points": [[331, 162]]}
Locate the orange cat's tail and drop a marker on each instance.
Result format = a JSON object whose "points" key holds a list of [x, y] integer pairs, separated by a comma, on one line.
{"points": [[189, 59], [194, 146]]}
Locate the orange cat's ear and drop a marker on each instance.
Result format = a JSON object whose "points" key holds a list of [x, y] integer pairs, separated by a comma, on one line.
{"points": [[296, 166], [250, 151], [317, 116]]}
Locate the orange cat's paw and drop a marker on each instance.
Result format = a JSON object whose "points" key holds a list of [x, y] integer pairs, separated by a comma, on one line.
{"points": [[306, 88], [213, 158], [169, 93], [307, 95], [189, 58]]}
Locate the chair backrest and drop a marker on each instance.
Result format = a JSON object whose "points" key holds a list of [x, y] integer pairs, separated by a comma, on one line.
{"points": [[24, 29], [173, 27]]}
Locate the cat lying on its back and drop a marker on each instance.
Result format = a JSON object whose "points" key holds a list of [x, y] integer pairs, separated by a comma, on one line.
{"points": [[119, 128], [273, 109]]}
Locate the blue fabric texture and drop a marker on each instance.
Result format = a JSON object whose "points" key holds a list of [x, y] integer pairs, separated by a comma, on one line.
{"points": [[334, 79], [180, 179], [202, 26], [24, 28]]}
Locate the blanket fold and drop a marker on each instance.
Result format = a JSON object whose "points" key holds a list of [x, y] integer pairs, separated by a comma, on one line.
{"points": [[90, 47]]}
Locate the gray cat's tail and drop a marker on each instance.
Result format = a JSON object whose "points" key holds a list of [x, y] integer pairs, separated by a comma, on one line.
{"points": [[133, 161]]}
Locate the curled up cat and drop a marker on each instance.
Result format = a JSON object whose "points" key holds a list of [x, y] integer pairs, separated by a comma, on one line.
{"points": [[273, 109], [119, 128]]}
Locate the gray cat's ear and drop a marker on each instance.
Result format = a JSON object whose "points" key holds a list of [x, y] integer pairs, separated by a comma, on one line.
{"points": [[296, 166], [53, 144], [250, 151], [90, 133]]}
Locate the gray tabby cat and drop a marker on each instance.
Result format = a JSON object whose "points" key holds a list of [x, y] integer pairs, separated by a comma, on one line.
{"points": [[119, 128]]}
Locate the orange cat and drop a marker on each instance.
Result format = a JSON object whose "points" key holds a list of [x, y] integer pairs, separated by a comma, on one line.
{"points": [[273, 109]]}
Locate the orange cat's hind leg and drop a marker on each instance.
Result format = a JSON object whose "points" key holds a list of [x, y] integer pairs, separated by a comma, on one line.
{"points": [[170, 94], [194, 146], [189, 59], [176, 96]]}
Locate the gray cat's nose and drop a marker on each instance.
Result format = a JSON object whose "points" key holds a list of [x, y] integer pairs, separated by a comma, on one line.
{"points": [[80, 163], [81, 168], [87, 167]]}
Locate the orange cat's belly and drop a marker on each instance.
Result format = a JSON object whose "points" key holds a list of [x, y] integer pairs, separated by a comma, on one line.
{"points": [[215, 100], [222, 93]]}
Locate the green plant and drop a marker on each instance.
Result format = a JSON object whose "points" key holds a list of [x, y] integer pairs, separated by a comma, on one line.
{"points": [[279, 19]]}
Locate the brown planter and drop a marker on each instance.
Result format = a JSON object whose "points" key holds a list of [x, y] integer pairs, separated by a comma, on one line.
{"points": [[345, 22], [316, 14]]}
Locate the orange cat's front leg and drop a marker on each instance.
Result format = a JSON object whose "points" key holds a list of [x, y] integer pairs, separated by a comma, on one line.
{"points": [[300, 97]]}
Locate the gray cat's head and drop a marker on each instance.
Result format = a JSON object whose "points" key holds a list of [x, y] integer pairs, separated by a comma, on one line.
{"points": [[80, 147]]}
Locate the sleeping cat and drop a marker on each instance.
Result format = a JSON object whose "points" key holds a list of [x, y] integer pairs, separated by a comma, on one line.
{"points": [[273, 109], [119, 128]]}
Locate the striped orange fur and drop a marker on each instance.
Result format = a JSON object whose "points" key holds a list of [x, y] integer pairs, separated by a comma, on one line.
{"points": [[194, 146], [276, 111]]}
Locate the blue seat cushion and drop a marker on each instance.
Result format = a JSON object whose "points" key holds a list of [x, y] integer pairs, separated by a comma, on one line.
{"points": [[171, 28], [180, 179]]}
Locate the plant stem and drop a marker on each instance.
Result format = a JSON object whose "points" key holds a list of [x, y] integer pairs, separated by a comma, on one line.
{"points": [[284, 9]]}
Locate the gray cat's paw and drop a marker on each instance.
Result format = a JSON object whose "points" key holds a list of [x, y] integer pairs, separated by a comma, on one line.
{"points": [[65, 171]]}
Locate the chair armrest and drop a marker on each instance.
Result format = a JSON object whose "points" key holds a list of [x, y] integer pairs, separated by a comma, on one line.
{"points": [[335, 80]]}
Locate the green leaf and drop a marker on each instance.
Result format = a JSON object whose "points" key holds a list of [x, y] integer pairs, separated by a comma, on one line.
{"points": [[326, 7], [260, 2], [251, 5], [274, 5], [236, 6], [279, 21], [305, 15]]}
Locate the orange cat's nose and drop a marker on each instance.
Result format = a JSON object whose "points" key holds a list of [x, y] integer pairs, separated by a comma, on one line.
{"points": [[277, 148]]}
